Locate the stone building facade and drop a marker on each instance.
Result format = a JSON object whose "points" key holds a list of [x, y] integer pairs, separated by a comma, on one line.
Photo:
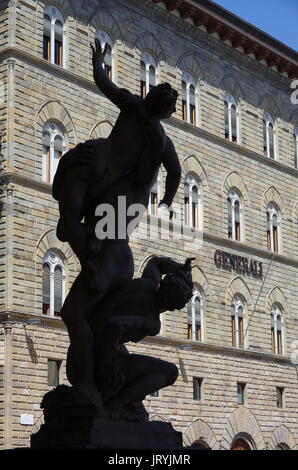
{"points": [[236, 134]]}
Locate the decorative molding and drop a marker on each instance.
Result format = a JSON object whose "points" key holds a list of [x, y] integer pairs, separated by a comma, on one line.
{"points": [[17, 179], [209, 43], [12, 316], [180, 344], [243, 151], [227, 26]]}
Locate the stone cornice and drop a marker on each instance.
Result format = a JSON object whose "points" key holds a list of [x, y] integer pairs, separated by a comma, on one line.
{"points": [[218, 20], [14, 316], [255, 33], [12, 177], [11, 317], [46, 66], [186, 345], [208, 42], [202, 133]]}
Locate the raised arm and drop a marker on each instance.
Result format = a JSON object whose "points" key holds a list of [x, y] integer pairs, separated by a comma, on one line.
{"points": [[172, 166], [119, 96]]}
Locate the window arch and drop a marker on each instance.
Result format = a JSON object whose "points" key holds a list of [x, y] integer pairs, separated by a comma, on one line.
{"points": [[231, 118], [53, 147], [234, 215], [277, 330], [295, 135], [273, 228], [238, 322], [195, 326], [149, 74], [54, 31], [192, 201], [53, 284], [189, 99], [269, 136], [109, 59]]}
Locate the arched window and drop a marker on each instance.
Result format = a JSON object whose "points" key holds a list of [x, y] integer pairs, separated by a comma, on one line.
{"points": [[234, 215], [269, 143], [189, 99], [240, 444], [295, 135], [54, 36], [238, 322], [273, 228], [231, 118], [195, 328], [149, 77], [277, 330], [53, 147], [53, 284], [109, 60], [191, 201], [154, 197]]}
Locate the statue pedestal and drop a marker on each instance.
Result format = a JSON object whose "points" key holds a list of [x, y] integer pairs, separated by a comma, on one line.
{"points": [[72, 421], [103, 433]]}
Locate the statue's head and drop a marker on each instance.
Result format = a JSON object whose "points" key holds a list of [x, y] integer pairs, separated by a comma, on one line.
{"points": [[175, 290], [161, 101]]}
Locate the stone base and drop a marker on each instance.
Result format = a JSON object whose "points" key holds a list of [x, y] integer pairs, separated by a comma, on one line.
{"points": [[103, 433], [74, 420]]}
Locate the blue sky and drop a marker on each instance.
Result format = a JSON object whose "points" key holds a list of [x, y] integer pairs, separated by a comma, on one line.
{"points": [[279, 18]]}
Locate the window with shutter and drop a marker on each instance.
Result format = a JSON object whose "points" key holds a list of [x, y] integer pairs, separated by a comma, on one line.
{"points": [[149, 74], [277, 330], [53, 36], [184, 105], [189, 98], [231, 118], [53, 280], [192, 202], [273, 227], [143, 79], [58, 43], [47, 38], [238, 322], [234, 215], [46, 290], [53, 148], [195, 317], [269, 136]]}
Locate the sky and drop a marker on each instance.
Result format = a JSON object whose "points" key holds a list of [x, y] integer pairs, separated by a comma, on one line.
{"points": [[279, 18]]}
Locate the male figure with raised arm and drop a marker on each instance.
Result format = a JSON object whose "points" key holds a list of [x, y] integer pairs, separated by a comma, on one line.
{"points": [[137, 143]]}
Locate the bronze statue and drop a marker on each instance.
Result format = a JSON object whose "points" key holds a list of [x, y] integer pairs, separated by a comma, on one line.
{"points": [[106, 307], [124, 164]]}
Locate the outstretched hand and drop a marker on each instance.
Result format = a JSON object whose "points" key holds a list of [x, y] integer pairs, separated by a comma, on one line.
{"points": [[98, 54]]}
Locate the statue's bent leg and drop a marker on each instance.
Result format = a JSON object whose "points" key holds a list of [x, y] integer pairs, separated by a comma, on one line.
{"points": [[115, 266], [144, 375]]}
